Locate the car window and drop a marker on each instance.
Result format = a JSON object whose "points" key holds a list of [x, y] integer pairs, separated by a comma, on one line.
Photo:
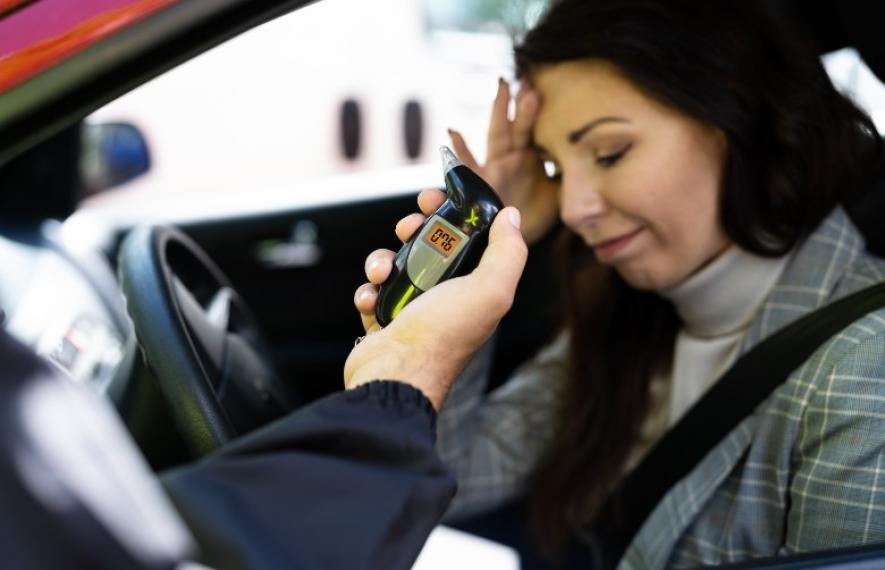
{"points": [[312, 95], [319, 99]]}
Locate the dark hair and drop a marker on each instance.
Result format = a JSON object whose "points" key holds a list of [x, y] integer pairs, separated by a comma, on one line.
{"points": [[795, 149]]}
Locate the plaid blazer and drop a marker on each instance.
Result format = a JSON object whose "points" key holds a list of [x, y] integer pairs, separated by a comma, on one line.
{"points": [[804, 472]]}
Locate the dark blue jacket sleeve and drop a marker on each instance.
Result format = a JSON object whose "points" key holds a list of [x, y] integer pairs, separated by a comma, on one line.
{"points": [[351, 481]]}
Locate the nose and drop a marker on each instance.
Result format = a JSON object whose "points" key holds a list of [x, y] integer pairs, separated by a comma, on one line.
{"points": [[580, 202]]}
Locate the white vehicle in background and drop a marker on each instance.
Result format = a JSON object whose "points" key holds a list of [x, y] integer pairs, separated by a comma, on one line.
{"points": [[394, 76]]}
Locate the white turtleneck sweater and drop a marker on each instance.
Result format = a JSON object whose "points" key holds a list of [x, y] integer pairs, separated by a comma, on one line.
{"points": [[716, 305]]}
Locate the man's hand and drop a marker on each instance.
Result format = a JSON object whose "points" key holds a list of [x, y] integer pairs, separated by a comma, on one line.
{"points": [[434, 336]]}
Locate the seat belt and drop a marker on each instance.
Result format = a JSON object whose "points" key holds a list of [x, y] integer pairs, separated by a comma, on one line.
{"points": [[734, 397]]}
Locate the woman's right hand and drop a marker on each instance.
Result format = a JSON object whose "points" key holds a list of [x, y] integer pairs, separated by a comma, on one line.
{"points": [[513, 167]]}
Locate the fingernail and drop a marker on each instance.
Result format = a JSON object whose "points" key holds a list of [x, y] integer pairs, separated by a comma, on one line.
{"points": [[372, 265], [515, 218]]}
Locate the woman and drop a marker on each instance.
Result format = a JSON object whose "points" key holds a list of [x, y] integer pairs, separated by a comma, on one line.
{"points": [[698, 155]]}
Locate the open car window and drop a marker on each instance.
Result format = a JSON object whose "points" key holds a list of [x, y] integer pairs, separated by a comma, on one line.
{"points": [[359, 113], [312, 95]]}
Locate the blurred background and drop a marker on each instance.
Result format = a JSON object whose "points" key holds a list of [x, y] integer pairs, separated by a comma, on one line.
{"points": [[350, 95]]}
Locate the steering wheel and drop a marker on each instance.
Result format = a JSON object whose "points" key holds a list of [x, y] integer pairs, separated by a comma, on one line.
{"points": [[199, 338]]}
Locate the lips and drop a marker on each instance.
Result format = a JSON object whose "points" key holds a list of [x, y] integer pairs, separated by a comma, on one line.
{"points": [[609, 248]]}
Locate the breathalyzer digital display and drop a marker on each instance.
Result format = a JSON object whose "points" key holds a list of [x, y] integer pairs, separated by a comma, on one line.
{"points": [[443, 238], [448, 244]]}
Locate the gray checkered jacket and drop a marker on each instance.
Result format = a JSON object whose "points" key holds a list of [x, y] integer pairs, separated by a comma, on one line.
{"points": [[805, 472]]}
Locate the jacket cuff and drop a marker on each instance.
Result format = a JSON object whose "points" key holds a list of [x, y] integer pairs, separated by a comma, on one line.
{"points": [[395, 396]]}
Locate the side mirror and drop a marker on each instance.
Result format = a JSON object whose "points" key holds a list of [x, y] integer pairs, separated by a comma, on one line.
{"points": [[112, 153]]}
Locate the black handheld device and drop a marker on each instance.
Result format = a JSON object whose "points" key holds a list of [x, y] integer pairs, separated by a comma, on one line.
{"points": [[448, 244]]}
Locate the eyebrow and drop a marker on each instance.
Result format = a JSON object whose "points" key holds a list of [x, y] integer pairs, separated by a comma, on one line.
{"points": [[577, 134]]}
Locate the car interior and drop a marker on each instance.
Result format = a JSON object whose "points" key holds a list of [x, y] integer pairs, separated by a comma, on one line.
{"points": [[303, 314], [164, 320]]}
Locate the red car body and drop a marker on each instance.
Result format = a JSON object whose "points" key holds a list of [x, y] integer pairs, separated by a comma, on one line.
{"points": [[36, 35]]}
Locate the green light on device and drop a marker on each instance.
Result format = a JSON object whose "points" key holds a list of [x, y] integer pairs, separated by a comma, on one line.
{"points": [[407, 296], [473, 219]]}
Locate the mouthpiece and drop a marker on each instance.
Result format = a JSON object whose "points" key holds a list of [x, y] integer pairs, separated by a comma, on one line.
{"points": [[449, 160]]}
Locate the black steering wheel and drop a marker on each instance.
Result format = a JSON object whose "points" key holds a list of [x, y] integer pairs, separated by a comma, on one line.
{"points": [[199, 338]]}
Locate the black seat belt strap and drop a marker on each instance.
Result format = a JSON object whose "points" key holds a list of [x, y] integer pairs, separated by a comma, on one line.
{"points": [[734, 397]]}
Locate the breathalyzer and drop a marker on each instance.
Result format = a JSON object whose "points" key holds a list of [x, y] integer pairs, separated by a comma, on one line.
{"points": [[448, 244]]}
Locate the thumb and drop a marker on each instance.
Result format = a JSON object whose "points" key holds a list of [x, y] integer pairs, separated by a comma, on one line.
{"points": [[504, 259]]}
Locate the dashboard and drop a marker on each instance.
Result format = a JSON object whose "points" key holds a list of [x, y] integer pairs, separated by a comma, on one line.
{"points": [[62, 300]]}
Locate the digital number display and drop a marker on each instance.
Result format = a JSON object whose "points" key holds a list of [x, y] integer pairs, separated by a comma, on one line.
{"points": [[442, 239]]}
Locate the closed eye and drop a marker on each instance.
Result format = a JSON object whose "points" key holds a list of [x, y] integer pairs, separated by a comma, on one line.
{"points": [[610, 160]]}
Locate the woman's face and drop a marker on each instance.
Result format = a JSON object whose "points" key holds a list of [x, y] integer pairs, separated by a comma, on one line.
{"points": [[639, 181]]}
